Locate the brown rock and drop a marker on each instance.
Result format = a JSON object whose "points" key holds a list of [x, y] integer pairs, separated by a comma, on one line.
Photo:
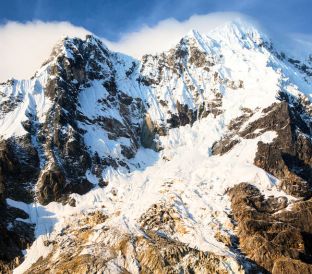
{"points": [[290, 266], [266, 231]]}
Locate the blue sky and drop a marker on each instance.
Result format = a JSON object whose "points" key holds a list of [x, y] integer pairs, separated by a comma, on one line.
{"points": [[112, 18]]}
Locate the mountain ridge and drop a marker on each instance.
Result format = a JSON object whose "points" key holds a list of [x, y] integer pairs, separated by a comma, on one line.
{"points": [[132, 147]]}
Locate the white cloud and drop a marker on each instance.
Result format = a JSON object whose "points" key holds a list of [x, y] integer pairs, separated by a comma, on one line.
{"points": [[24, 47], [167, 33]]}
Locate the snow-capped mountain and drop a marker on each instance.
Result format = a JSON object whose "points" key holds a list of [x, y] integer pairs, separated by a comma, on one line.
{"points": [[194, 160]]}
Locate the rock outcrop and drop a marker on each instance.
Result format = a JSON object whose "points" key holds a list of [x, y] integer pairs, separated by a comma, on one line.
{"points": [[288, 157], [276, 238], [16, 235]]}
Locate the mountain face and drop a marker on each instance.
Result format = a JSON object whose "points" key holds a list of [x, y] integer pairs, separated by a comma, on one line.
{"points": [[194, 160]]}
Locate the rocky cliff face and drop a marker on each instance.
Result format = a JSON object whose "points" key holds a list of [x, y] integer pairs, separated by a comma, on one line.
{"points": [[193, 160]]}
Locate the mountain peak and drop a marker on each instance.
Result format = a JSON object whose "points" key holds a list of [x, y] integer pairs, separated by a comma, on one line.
{"points": [[238, 31], [239, 25], [69, 46], [89, 54]]}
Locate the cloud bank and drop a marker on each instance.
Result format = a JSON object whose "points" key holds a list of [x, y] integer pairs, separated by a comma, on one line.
{"points": [[24, 47]]}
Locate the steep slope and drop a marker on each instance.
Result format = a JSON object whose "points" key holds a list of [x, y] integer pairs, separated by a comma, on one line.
{"points": [[172, 163], [70, 105]]}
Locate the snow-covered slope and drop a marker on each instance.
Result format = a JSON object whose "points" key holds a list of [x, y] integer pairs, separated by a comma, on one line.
{"points": [[139, 156], [232, 62]]}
